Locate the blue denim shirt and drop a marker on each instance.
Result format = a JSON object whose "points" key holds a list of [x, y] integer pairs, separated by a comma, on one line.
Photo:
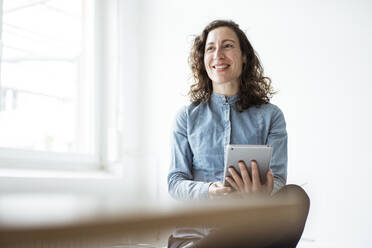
{"points": [[200, 134]]}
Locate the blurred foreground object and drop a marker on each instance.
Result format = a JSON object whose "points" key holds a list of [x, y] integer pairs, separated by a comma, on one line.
{"points": [[105, 221]]}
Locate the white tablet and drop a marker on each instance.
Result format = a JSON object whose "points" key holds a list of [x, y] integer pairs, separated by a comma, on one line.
{"points": [[247, 153]]}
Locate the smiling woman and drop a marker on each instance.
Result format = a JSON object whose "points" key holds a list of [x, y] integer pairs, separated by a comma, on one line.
{"points": [[230, 102], [221, 53], [229, 105]]}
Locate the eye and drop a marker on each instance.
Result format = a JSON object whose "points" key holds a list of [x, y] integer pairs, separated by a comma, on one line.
{"points": [[208, 49], [228, 45]]}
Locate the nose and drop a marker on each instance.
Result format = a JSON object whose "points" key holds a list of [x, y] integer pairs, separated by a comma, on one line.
{"points": [[218, 53]]}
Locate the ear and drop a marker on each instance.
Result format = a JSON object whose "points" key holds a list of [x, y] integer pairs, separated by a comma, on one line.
{"points": [[244, 59]]}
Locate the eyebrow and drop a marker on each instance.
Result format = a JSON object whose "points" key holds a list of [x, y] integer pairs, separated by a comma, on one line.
{"points": [[222, 41]]}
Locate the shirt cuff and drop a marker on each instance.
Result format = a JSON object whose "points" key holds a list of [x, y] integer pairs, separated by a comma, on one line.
{"points": [[204, 191], [278, 184]]}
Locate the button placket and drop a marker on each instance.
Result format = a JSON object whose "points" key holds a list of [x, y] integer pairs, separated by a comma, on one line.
{"points": [[227, 124]]}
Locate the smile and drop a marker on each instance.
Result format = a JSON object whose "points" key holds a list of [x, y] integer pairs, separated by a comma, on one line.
{"points": [[221, 67]]}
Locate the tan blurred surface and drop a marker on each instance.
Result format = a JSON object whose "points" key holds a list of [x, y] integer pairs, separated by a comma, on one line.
{"points": [[41, 220]]}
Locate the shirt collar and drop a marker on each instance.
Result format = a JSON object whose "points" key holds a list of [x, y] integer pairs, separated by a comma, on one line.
{"points": [[221, 99]]}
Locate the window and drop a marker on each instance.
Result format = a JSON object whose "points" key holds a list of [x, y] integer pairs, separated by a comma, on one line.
{"points": [[51, 92]]}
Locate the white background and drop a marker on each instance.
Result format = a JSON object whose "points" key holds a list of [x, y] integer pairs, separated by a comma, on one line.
{"points": [[318, 55]]}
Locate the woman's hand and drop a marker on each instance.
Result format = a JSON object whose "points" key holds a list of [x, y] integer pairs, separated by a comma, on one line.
{"points": [[247, 185], [218, 190]]}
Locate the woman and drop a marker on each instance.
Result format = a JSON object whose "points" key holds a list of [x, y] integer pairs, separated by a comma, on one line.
{"points": [[230, 105]]}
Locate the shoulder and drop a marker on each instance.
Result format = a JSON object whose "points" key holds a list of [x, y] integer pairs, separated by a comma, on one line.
{"points": [[273, 116], [267, 110], [185, 114], [189, 111], [269, 114]]}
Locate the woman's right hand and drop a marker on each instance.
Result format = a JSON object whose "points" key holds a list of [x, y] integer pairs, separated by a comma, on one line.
{"points": [[218, 190]]}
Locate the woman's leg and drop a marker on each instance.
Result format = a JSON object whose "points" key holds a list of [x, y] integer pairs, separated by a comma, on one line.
{"points": [[281, 227]]}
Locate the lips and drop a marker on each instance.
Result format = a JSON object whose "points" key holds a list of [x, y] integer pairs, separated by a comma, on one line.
{"points": [[221, 67]]}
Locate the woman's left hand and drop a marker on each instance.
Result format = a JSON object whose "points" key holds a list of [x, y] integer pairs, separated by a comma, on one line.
{"points": [[244, 184]]}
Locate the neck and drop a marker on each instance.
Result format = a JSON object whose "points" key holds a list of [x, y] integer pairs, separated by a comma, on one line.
{"points": [[226, 89]]}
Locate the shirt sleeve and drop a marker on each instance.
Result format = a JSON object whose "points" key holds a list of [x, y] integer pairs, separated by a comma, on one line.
{"points": [[180, 178], [277, 138]]}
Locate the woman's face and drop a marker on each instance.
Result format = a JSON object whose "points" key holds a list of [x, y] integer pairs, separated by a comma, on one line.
{"points": [[223, 58]]}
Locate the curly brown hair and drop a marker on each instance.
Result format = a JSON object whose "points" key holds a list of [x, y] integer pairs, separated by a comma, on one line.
{"points": [[255, 89]]}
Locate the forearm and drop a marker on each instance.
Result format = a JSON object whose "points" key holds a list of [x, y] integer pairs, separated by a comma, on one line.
{"points": [[183, 189]]}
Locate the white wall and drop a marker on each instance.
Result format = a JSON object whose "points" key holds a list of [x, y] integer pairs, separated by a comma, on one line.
{"points": [[318, 55]]}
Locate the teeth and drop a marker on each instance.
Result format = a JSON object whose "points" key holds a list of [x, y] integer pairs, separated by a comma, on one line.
{"points": [[221, 66]]}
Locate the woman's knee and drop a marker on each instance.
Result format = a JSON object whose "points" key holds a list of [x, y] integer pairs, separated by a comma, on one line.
{"points": [[296, 193]]}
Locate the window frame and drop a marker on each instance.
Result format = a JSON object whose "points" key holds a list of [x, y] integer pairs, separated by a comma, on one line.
{"points": [[105, 83]]}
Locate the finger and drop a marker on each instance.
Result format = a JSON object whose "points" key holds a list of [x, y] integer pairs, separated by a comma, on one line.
{"points": [[212, 190], [232, 183], [255, 174], [219, 184], [245, 176], [269, 181], [223, 190], [237, 178]]}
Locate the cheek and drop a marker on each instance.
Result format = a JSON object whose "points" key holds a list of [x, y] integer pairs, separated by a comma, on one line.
{"points": [[239, 63], [207, 68], [206, 62]]}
